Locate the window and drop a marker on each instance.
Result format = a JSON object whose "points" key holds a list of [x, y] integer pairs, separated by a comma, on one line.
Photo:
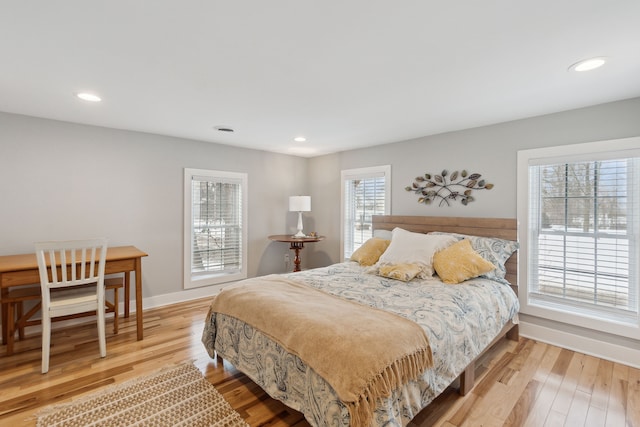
{"points": [[579, 213], [365, 192], [215, 231]]}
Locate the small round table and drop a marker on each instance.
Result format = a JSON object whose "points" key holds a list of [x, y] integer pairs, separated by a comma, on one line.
{"points": [[296, 244]]}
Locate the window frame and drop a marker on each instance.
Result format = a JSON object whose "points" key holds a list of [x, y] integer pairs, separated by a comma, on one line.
{"points": [[567, 313], [362, 173], [191, 280]]}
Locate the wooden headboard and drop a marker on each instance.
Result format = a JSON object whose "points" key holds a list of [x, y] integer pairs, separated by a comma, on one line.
{"points": [[502, 228]]}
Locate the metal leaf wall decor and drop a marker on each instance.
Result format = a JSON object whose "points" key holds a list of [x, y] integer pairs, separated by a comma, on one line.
{"points": [[445, 187]]}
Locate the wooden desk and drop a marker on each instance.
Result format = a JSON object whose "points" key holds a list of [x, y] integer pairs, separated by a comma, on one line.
{"points": [[296, 244], [20, 270]]}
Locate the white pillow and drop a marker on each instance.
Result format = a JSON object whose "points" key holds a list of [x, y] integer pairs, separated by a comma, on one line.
{"points": [[415, 248]]}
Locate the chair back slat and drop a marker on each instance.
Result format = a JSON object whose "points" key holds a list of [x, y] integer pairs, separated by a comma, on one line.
{"points": [[83, 266], [93, 261]]}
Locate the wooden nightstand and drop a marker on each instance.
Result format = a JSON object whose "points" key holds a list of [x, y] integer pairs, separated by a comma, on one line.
{"points": [[296, 244]]}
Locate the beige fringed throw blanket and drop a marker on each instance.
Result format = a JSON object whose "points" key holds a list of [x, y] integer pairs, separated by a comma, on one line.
{"points": [[362, 352]]}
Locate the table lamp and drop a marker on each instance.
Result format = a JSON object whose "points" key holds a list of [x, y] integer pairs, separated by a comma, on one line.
{"points": [[300, 204]]}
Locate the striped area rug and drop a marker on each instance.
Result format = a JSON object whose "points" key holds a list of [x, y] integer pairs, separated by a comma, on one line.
{"points": [[178, 396]]}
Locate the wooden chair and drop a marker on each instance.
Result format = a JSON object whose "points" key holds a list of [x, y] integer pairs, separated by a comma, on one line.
{"points": [[18, 319], [73, 284]]}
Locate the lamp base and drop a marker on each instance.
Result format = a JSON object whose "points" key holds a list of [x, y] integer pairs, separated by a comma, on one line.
{"points": [[300, 233]]}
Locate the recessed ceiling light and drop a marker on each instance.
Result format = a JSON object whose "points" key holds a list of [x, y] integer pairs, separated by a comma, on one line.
{"points": [[87, 96], [588, 64], [224, 129], [299, 139]]}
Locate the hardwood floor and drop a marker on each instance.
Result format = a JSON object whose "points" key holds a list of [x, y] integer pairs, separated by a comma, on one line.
{"points": [[518, 384]]}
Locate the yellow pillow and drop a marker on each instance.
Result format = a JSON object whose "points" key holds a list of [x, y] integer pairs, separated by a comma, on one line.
{"points": [[370, 251], [460, 262], [404, 272]]}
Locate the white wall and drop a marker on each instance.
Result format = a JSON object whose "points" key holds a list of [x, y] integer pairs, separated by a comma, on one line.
{"points": [[62, 181], [489, 150]]}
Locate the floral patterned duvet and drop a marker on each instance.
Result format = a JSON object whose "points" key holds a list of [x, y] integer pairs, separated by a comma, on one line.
{"points": [[460, 321]]}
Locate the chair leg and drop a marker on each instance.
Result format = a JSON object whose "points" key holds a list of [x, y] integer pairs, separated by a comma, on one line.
{"points": [[101, 328], [46, 342]]}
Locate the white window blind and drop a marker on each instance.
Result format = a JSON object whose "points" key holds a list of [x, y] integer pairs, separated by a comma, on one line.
{"points": [[583, 229], [365, 192], [216, 229]]}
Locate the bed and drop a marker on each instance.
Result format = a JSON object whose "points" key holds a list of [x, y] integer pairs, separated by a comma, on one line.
{"points": [[460, 321]]}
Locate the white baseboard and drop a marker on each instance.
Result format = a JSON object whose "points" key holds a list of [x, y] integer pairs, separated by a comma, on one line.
{"points": [[182, 296], [608, 351], [176, 297]]}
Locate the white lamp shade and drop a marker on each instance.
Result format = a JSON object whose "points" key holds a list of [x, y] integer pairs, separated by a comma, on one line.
{"points": [[300, 203]]}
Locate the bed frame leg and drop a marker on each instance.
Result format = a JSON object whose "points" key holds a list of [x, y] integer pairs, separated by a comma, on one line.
{"points": [[514, 333], [467, 379]]}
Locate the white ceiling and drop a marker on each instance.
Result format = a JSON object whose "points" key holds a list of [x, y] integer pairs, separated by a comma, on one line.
{"points": [[345, 74]]}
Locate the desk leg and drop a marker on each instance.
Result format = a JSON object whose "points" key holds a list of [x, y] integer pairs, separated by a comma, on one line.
{"points": [[139, 298], [127, 292], [297, 247], [5, 317]]}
